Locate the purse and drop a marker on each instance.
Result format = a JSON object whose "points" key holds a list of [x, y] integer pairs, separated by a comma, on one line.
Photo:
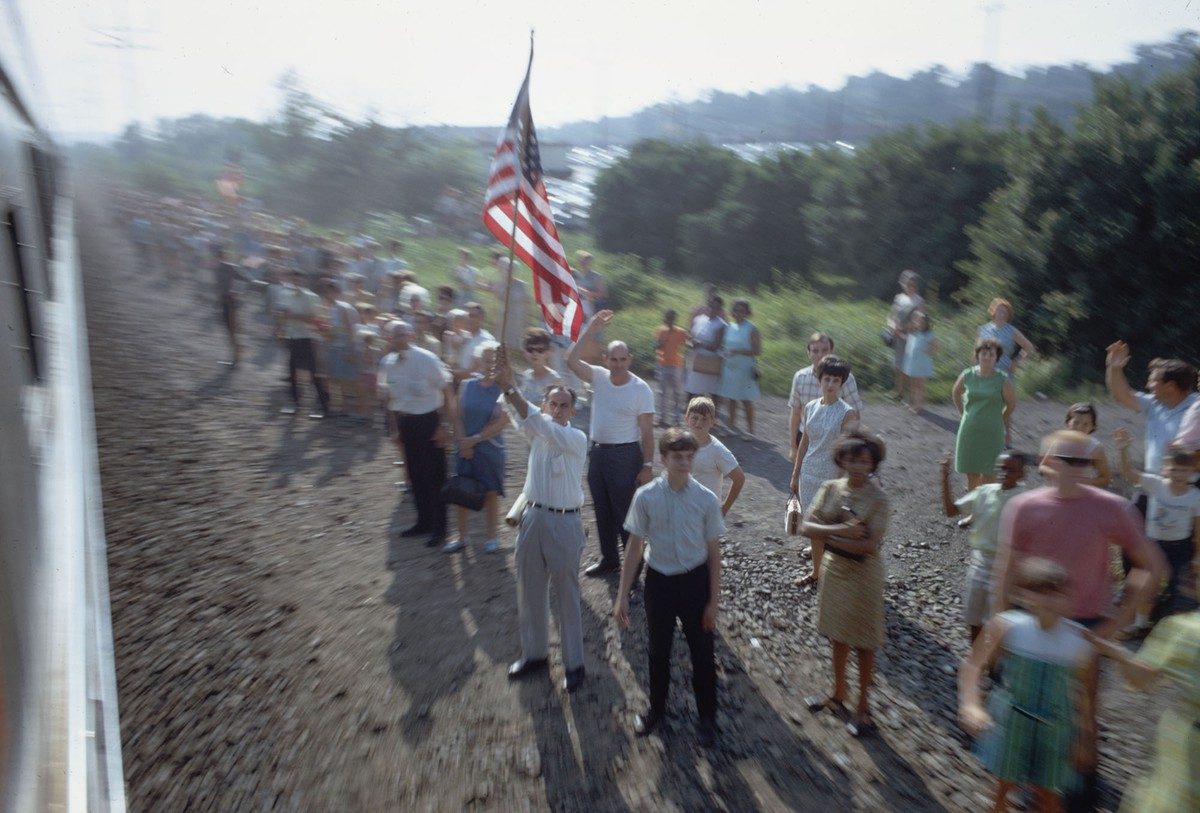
{"points": [[792, 517], [515, 514], [888, 336], [705, 364], [464, 491]]}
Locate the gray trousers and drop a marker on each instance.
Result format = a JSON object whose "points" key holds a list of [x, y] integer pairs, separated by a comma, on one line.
{"points": [[549, 546]]}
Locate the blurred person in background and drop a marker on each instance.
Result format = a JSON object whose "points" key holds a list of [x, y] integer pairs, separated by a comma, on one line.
{"points": [[231, 281], [475, 335], [1017, 348], [904, 305], [592, 288], [340, 321], [920, 347], [669, 340], [466, 277], [299, 309], [741, 345], [708, 334]]}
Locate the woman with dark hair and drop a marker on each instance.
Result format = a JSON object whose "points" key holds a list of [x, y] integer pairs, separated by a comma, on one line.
{"points": [[1082, 417], [850, 515], [823, 422], [985, 400]]}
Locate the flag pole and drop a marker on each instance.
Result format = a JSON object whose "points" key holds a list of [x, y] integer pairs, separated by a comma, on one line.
{"points": [[522, 133]]}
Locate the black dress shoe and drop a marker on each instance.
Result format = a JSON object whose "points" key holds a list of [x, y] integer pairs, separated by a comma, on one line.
{"points": [[602, 568], [706, 733], [521, 668], [415, 530], [644, 724], [574, 679]]}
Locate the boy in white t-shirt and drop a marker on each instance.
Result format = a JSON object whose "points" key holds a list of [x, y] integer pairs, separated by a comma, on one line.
{"points": [[713, 462], [1172, 521]]}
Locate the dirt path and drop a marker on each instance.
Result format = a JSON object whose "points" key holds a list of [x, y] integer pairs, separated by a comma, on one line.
{"points": [[279, 646]]}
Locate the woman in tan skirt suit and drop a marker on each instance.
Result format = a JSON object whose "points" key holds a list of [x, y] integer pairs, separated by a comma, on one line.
{"points": [[850, 516]]}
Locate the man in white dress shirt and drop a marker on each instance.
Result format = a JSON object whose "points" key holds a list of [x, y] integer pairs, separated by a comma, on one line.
{"points": [[806, 387], [621, 457], [421, 401], [550, 538]]}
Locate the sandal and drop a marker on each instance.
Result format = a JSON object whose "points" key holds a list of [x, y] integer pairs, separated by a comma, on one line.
{"points": [[861, 727], [818, 702], [805, 581]]}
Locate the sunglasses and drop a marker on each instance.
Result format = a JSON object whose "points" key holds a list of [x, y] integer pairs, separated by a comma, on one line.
{"points": [[1077, 462]]}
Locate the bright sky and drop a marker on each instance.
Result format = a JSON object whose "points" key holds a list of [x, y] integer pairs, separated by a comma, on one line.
{"points": [[460, 62]]}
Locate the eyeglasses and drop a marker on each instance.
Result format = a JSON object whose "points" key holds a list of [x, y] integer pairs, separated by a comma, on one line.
{"points": [[1077, 462]]}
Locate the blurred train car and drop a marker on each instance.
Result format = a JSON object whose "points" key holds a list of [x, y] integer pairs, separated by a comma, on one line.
{"points": [[60, 746]]}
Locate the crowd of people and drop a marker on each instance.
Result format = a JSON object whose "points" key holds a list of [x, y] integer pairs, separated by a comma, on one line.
{"points": [[1040, 603]]}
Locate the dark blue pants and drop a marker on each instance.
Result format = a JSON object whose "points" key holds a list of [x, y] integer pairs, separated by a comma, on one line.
{"points": [[426, 469], [612, 479], [1180, 583], [682, 597]]}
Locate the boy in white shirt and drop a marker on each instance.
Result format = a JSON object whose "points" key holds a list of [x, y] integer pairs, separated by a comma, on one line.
{"points": [[714, 462], [1172, 522]]}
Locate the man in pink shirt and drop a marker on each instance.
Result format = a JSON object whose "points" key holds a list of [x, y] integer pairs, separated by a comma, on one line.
{"points": [[1074, 524]]}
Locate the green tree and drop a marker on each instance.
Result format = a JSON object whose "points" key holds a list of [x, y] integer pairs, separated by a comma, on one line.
{"points": [[638, 202]]}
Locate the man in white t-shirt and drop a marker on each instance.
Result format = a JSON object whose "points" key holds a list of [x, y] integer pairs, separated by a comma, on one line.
{"points": [[621, 456], [806, 387]]}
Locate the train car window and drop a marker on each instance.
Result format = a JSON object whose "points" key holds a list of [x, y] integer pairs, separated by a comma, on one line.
{"points": [[31, 335]]}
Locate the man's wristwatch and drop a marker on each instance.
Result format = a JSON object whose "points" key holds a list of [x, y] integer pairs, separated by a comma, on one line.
{"points": [[511, 391], [648, 466]]}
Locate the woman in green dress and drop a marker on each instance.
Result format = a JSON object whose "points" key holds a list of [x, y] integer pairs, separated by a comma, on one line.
{"points": [[985, 400], [1172, 652]]}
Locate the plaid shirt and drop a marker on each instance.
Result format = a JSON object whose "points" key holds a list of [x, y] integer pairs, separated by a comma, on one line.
{"points": [[806, 387]]}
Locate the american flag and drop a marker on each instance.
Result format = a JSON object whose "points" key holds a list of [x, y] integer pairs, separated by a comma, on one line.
{"points": [[515, 185]]}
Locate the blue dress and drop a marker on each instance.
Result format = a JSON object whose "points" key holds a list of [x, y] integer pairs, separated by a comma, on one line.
{"points": [[476, 407], [737, 372], [917, 361], [1007, 336]]}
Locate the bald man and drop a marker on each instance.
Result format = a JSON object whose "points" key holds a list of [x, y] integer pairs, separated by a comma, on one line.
{"points": [[1074, 524], [621, 451]]}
